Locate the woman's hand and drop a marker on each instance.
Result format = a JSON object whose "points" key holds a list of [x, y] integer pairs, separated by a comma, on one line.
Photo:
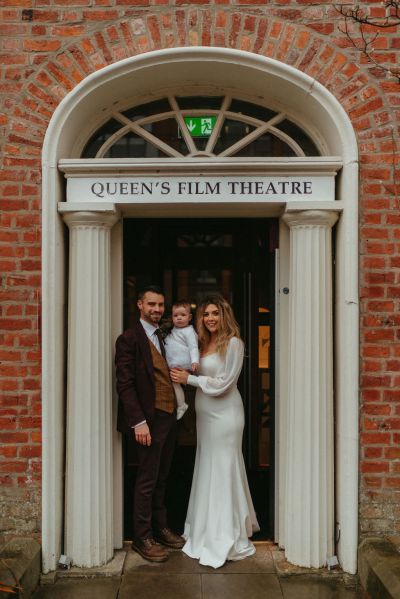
{"points": [[178, 376]]}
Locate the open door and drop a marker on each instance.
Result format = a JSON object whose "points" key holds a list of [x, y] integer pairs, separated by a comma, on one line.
{"points": [[189, 259]]}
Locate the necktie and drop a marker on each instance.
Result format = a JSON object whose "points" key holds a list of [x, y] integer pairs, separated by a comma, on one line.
{"points": [[161, 341]]}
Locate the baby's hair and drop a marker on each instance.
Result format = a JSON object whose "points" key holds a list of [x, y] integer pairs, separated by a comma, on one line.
{"points": [[183, 304]]}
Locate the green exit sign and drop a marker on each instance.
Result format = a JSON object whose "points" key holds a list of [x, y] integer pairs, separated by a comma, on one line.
{"points": [[200, 126]]}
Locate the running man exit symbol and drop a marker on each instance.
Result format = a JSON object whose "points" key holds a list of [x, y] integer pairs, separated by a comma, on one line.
{"points": [[206, 126], [200, 126]]}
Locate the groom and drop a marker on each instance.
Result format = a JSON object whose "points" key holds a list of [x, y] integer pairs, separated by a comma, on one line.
{"points": [[146, 409]]}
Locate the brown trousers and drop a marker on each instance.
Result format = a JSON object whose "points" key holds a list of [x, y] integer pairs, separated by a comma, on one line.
{"points": [[150, 513]]}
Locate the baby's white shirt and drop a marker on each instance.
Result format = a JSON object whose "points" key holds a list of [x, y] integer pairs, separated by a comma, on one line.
{"points": [[181, 347]]}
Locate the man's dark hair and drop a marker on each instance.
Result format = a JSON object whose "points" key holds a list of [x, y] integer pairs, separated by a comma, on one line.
{"points": [[151, 289]]}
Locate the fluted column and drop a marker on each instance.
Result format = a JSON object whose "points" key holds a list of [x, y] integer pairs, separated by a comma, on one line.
{"points": [[89, 508], [309, 506]]}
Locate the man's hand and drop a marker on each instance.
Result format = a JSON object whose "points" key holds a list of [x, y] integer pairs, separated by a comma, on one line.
{"points": [[195, 367], [142, 434]]}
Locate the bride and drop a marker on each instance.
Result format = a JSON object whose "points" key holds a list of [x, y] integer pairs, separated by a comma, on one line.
{"points": [[220, 516]]}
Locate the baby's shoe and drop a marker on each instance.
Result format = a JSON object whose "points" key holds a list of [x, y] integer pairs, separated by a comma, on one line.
{"points": [[181, 410]]}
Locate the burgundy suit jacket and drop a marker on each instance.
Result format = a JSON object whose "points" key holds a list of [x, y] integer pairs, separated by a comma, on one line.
{"points": [[135, 378]]}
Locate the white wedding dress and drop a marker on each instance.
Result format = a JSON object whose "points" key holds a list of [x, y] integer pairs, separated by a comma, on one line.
{"points": [[220, 516]]}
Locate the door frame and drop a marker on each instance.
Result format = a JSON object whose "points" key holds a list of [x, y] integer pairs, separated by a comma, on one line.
{"points": [[65, 127], [256, 228]]}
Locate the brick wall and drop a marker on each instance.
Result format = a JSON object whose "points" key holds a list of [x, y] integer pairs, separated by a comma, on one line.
{"points": [[46, 48]]}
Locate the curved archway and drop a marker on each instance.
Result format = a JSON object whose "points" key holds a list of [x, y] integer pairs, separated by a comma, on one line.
{"points": [[138, 79]]}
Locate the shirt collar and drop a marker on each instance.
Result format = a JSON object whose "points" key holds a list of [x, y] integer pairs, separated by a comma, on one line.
{"points": [[149, 328]]}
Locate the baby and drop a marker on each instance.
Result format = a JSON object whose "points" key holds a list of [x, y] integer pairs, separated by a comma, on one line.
{"points": [[181, 348]]}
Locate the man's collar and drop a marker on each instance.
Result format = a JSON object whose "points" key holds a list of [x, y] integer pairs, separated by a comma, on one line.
{"points": [[148, 327]]}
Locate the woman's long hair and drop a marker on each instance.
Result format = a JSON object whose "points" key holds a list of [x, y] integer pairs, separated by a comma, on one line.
{"points": [[227, 328]]}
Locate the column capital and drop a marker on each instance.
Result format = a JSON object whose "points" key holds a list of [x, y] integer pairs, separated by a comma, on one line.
{"points": [[91, 219], [310, 218]]}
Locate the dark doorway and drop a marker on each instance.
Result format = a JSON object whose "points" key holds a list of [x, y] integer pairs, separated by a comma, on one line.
{"points": [[190, 258]]}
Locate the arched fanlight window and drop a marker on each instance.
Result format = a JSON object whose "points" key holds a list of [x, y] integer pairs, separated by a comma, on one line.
{"points": [[199, 126]]}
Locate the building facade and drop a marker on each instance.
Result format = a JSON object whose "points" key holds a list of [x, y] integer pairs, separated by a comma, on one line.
{"points": [[288, 188]]}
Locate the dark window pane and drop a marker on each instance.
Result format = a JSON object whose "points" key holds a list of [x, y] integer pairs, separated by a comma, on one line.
{"points": [[201, 143], [167, 131], [299, 136], [249, 109], [204, 240], [133, 146], [195, 102], [156, 107], [231, 132], [96, 141], [197, 284], [267, 145]]}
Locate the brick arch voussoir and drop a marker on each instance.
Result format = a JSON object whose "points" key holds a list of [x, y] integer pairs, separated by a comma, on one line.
{"points": [[291, 43]]}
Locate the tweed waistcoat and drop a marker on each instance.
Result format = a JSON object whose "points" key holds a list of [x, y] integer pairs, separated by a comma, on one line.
{"points": [[165, 396]]}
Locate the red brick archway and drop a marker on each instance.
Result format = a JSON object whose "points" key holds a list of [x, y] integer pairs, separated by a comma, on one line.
{"points": [[58, 65]]}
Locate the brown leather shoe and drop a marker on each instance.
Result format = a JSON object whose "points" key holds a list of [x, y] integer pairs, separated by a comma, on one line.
{"points": [[169, 539], [150, 550]]}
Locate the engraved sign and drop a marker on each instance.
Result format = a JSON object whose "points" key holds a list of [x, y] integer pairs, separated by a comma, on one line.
{"points": [[152, 189]]}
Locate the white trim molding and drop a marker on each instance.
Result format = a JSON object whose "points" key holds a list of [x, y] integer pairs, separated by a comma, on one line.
{"points": [[256, 187], [224, 72], [81, 167]]}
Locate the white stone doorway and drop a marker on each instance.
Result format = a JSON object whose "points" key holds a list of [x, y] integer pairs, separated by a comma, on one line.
{"points": [[305, 238]]}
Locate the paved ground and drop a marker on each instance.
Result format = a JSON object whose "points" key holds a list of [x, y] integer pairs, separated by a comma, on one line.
{"points": [[265, 575]]}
